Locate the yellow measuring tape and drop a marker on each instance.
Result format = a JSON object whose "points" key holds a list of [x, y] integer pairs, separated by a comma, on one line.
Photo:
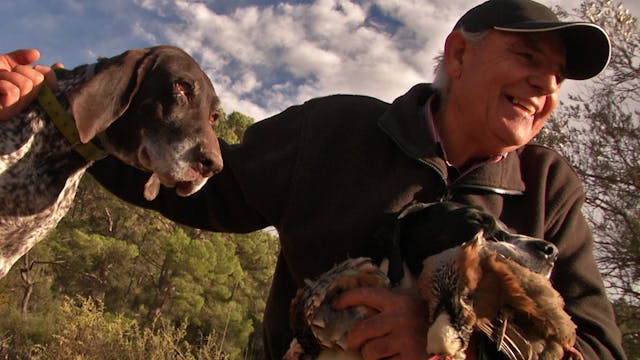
{"points": [[67, 126]]}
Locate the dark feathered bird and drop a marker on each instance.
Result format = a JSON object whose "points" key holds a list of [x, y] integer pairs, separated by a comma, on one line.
{"points": [[320, 331], [475, 276]]}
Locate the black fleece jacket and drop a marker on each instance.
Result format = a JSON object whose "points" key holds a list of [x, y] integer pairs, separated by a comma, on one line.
{"points": [[326, 174]]}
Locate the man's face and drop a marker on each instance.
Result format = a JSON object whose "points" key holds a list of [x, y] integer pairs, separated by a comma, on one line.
{"points": [[507, 87]]}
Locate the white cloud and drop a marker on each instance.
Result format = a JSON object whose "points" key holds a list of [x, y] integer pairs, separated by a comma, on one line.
{"points": [[139, 31], [261, 58], [246, 83], [307, 59]]}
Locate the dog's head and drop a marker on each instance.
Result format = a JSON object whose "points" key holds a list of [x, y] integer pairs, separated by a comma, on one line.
{"points": [[155, 107], [424, 230]]}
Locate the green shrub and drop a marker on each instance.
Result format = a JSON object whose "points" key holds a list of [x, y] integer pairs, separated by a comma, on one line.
{"points": [[87, 333]]}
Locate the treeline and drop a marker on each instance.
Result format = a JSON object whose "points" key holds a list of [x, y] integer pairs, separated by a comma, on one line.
{"points": [[115, 281]]}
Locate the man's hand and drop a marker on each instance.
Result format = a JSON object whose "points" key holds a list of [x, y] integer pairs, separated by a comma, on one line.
{"points": [[397, 332], [20, 82]]}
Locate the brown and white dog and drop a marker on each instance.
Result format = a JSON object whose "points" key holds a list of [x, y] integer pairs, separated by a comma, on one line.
{"points": [[152, 108], [477, 278]]}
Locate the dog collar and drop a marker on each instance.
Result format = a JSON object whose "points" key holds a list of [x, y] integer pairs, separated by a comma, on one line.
{"points": [[67, 126]]}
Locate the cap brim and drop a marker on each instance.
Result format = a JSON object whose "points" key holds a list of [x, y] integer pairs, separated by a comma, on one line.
{"points": [[587, 45]]}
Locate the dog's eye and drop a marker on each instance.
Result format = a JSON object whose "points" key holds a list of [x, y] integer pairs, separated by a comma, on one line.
{"points": [[214, 117], [182, 86], [182, 91]]}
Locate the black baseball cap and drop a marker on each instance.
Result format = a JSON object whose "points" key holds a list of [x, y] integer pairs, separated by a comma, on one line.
{"points": [[587, 44]]}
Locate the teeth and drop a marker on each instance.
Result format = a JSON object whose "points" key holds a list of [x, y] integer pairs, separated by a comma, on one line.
{"points": [[524, 105]]}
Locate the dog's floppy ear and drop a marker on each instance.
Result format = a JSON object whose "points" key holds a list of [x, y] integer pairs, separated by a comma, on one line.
{"points": [[107, 95]]}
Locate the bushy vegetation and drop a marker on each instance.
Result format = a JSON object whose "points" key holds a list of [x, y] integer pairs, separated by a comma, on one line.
{"points": [[85, 331]]}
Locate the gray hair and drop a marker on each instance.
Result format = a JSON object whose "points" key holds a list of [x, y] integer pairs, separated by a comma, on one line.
{"points": [[441, 79]]}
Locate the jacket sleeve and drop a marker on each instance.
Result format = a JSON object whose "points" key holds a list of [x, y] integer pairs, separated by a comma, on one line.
{"points": [[576, 275], [250, 193]]}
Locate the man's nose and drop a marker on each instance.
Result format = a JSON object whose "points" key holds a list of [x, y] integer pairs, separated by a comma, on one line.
{"points": [[545, 83]]}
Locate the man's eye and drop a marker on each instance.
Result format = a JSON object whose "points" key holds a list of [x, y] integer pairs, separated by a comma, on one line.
{"points": [[526, 56]]}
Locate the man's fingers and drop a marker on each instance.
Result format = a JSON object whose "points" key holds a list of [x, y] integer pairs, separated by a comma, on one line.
{"points": [[18, 57], [379, 348], [376, 298], [398, 328], [20, 81], [18, 88], [9, 93], [17, 106], [17, 83], [398, 347], [362, 332], [49, 74], [12, 87], [400, 343], [32, 74]]}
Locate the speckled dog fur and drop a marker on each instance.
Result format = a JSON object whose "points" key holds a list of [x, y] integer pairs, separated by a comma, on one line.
{"points": [[40, 171]]}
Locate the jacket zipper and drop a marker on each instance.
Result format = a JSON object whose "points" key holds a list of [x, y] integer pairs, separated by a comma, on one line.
{"points": [[448, 193], [449, 189]]}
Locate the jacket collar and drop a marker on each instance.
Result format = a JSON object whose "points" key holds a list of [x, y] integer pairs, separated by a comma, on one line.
{"points": [[404, 122]]}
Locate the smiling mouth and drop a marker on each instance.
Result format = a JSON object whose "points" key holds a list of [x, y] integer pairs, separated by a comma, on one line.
{"points": [[527, 107]]}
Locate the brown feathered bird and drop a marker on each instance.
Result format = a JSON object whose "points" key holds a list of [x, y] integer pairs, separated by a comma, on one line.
{"points": [[475, 287], [477, 278]]}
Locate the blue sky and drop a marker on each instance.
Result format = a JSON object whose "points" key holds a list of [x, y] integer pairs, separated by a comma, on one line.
{"points": [[262, 56]]}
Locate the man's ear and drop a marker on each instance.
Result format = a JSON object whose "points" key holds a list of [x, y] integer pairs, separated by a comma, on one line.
{"points": [[454, 48]]}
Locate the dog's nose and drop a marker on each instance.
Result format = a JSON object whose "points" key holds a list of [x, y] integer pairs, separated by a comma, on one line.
{"points": [[546, 248], [207, 161]]}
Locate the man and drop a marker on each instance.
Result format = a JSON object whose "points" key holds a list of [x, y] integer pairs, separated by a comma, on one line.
{"points": [[328, 172]]}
